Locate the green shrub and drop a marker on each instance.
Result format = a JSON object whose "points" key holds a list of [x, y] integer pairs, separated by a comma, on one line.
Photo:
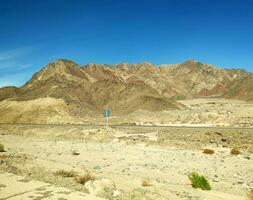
{"points": [[199, 181], [2, 148], [180, 98]]}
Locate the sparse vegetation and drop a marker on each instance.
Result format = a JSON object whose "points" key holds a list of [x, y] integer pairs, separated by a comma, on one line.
{"points": [[2, 148], [250, 194], [235, 151], [65, 173], [199, 181], [208, 151], [85, 178], [146, 183], [180, 98]]}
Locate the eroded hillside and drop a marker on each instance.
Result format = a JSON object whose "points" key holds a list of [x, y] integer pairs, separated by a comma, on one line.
{"points": [[84, 91]]}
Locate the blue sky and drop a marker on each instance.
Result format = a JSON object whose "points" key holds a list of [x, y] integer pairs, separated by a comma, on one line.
{"points": [[34, 33]]}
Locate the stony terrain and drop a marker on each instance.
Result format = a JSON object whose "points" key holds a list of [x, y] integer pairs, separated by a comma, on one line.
{"points": [[132, 162], [197, 112]]}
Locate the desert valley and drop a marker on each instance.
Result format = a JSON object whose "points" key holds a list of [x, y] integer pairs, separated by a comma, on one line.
{"points": [[167, 122]]}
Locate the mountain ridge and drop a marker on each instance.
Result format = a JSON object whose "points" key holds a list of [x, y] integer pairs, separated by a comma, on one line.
{"points": [[126, 88]]}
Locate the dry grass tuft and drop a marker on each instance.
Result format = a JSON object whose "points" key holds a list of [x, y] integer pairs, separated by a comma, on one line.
{"points": [[199, 181], [65, 174], [208, 151], [88, 175], [146, 183], [235, 151], [3, 156], [2, 148], [250, 194]]}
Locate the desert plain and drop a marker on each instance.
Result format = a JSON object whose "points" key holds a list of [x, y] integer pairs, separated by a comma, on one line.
{"points": [[135, 159]]}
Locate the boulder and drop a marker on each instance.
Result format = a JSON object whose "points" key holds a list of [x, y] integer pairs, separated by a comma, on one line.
{"points": [[104, 188]]}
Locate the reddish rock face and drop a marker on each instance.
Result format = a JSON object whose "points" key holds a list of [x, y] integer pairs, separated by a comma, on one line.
{"points": [[216, 91]]}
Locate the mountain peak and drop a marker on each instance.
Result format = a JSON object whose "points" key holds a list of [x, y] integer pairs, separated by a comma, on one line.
{"points": [[191, 62], [57, 69], [146, 63], [64, 62]]}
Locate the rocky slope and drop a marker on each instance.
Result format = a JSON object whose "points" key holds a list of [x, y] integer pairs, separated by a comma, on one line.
{"points": [[241, 89], [187, 80], [124, 88], [8, 92]]}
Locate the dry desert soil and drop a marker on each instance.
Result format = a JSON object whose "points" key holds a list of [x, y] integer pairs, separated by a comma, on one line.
{"points": [[132, 162]]}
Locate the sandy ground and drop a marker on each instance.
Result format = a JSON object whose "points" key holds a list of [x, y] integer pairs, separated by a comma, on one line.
{"points": [[127, 156], [14, 187], [197, 112]]}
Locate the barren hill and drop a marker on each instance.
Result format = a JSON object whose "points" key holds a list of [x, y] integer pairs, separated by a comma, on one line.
{"points": [[187, 80], [66, 89], [241, 89]]}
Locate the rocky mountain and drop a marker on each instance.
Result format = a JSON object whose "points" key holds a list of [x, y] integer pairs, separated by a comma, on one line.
{"points": [[124, 88], [187, 80], [241, 89]]}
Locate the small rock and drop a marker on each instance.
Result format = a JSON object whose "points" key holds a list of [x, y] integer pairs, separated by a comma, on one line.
{"points": [[115, 140], [215, 180], [104, 188], [97, 167], [75, 153], [247, 157], [116, 193], [246, 186], [240, 182]]}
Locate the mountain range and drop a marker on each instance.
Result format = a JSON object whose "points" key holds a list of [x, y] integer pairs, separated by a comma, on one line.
{"points": [[124, 88]]}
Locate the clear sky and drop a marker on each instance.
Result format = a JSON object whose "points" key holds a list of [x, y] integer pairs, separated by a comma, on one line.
{"points": [[36, 32]]}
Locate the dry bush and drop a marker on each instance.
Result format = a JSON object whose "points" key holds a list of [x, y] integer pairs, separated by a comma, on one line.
{"points": [[208, 151], [146, 183], [3, 156], [199, 181], [2, 148], [65, 174], [85, 178], [235, 151], [250, 194], [10, 168]]}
